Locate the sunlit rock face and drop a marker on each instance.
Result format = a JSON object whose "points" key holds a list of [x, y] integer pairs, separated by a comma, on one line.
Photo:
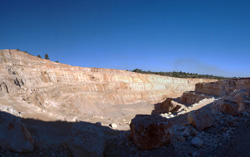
{"points": [[221, 88], [54, 85]]}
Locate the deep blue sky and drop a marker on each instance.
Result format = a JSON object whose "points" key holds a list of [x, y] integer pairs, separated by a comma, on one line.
{"points": [[201, 36]]}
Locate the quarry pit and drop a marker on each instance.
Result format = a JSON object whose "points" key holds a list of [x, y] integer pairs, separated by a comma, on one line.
{"points": [[74, 111]]}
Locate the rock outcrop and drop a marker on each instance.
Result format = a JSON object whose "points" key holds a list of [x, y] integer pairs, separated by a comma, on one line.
{"points": [[150, 132], [55, 86], [201, 119], [191, 97], [222, 88], [234, 104]]}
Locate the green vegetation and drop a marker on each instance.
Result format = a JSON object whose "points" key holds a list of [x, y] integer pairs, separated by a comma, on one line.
{"points": [[182, 74], [46, 56], [39, 56]]}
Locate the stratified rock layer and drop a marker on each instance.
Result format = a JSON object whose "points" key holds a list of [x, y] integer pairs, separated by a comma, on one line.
{"points": [[55, 86], [222, 88]]}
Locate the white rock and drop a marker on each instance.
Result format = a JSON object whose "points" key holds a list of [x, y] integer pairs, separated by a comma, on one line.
{"points": [[113, 125]]}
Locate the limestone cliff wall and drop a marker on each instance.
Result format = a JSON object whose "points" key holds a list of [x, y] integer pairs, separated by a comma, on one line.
{"points": [[52, 84], [221, 88]]}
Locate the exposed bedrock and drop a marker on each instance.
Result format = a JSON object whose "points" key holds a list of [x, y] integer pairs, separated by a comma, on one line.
{"points": [[222, 88], [235, 103], [82, 90], [190, 98]]}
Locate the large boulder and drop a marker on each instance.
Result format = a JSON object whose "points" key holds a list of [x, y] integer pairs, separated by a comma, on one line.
{"points": [[234, 104], [242, 97], [191, 97], [149, 131], [229, 107], [86, 140], [201, 119], [14, 136]]}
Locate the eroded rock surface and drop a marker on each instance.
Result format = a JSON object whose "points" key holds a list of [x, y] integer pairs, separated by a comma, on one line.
{"points": [[224, 87], [48, 90], [55, 86]]}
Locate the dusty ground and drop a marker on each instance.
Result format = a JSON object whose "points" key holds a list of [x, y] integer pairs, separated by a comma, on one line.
{"points": [[50, 131]]}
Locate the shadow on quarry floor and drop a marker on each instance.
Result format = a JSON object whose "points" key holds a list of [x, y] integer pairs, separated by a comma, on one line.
{"points": [[182, 118], [49, 133], [50, 136], [157, 109]]}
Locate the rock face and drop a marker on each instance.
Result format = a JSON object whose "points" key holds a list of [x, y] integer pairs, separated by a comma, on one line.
{"points": [[56, 86], [14, 136], [221, 88], [191, 97], [150, 132], [235, 103], [201, 119], [86, 140]]}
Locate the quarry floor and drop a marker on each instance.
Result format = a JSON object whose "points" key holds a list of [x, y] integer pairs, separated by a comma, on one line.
{"points": [[55, 127]]}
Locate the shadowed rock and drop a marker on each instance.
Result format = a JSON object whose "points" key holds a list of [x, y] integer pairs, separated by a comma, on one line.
{"points": [[86, 140], [150, 131], [201, 119], [14, 136], [170, 105], [234, 104], [229, 107]]}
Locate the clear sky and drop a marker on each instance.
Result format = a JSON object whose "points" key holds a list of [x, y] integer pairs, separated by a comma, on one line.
{"points": [[201, 36]]}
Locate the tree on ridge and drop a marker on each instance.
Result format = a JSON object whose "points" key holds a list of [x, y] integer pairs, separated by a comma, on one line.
{"points": [[46, 56]]}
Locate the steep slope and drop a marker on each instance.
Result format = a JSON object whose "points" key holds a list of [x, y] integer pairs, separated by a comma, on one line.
{"points": [[69, 89]]}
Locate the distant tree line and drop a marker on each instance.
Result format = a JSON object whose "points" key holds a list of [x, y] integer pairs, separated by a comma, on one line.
{"points": [[181, 74]]}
